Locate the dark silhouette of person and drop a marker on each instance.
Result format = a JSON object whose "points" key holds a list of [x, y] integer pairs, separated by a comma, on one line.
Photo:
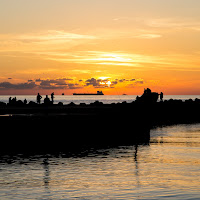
{"points": [[14, 101], [25, 101], [161, 96], [46, 100], [10, 100], [38, 98], [52, 96]]}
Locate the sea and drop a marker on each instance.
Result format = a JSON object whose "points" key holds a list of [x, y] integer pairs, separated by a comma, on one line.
{"points": [[166, 168], [87, 99]]}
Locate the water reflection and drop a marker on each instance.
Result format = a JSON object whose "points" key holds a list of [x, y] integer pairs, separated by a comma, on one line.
{"points": [[46, 173], [169, 167], [136, 165]]}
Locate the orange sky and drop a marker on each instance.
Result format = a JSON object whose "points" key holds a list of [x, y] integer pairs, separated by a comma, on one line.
{"points": [[117, 46]]}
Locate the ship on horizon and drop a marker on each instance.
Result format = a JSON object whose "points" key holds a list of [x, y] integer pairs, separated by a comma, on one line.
{"points": [[98, 93]]}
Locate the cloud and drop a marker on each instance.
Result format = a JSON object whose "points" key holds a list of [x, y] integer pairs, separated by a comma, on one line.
{"points": [[94, 82], [60, 83], [38, 80], [105, 83], [19, 86], [125, 80], [148, 36], [174, 23], [50, 35], [101, 83], [32, 43], [139, 82], [58, 35], [47, 84], [105, 58], [98, 83], [68, 83], [122, 80]]}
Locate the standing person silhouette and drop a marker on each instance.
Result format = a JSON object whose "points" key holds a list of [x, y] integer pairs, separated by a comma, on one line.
{"points": [[38, 98], [52, 97], [161, 96]]}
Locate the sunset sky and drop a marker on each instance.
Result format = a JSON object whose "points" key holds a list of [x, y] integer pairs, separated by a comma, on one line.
{"points": [[117, 46]]}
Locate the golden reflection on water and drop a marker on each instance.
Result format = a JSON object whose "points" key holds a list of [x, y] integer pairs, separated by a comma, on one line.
{"points": [[168, 167]]}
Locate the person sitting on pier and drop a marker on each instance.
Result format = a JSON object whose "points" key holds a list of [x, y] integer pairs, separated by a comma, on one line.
{"points": [[14, 100], [39, 98], [25, 101], [47, 100]]}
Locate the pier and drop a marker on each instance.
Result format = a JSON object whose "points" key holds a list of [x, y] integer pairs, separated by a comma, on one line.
{"points": [[48, 127], [63, 127]]}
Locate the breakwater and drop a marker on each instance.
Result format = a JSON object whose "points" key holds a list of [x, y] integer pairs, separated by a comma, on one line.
{"points": [[58, 127]]}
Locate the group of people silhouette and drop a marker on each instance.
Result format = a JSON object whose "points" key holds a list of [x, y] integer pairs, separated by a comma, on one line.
{"points": [[14, 101], [46, 99]]}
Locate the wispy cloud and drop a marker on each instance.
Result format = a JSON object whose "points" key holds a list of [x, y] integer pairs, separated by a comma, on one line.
{"points": [[161, 22], [128, 33], [45, 36], [38, 41], [53, 35], [174, 23], [104, 58], [148, 36]]}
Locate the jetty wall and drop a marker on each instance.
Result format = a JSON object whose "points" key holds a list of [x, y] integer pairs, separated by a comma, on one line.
{"points": [[59, 128]]}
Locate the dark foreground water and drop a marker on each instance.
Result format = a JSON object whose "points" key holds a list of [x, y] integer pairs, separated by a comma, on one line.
{"points": [[167, 168]]}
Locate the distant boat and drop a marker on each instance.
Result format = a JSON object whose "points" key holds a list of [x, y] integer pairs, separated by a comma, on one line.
{"points": [[63, 94], [124, 94], [98, 93]]}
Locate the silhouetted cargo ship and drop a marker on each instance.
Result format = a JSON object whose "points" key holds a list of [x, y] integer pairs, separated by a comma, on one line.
{"points": [[98, 93]]}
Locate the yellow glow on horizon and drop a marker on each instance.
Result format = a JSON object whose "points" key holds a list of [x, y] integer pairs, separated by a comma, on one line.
{"points": [[108, 83], [103, 77], [102, 83]]}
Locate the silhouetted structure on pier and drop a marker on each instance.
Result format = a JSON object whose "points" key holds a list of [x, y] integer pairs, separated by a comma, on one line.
{"points": [[148, 97]]}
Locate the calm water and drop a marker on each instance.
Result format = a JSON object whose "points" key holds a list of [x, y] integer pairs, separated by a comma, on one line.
{"points": [[107, 99], [167, 168]]}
